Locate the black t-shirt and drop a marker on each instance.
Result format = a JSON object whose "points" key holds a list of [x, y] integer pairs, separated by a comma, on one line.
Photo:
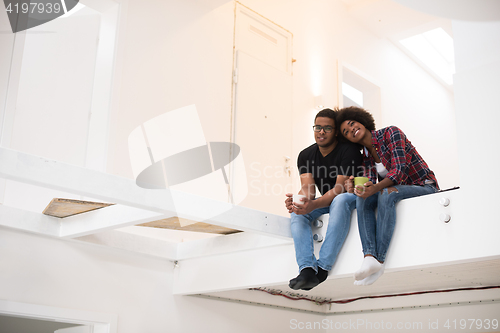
{"points": [[344, 160]]}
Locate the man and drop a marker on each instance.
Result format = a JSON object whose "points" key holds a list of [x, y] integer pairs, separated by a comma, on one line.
{"points": [[325, 164]]}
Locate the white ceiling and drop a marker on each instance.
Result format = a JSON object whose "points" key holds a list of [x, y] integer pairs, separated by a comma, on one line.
{"points": [[389, 19], [472, 10]]}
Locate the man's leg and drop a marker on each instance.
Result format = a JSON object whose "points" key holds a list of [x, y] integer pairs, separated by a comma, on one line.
{"points": [[304, 248], [338, 226]]}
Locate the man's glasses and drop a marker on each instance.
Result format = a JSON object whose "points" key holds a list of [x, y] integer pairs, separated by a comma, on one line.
{"points": [[327, 129]]}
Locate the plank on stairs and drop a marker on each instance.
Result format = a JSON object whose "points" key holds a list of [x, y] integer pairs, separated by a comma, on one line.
{"points": [[175, 223], [68, 207]]}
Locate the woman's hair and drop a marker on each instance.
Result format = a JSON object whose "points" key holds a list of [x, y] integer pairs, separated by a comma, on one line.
{"points": [[357, 114]]}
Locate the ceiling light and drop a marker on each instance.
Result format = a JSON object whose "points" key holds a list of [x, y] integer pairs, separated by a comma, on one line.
{"points": [[434, 49]]}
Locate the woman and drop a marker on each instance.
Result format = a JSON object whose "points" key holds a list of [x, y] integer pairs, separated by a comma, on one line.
{"points": [[390, 158]]}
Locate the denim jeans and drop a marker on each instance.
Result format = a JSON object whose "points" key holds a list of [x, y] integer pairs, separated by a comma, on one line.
{"points": [[376, 233], [338, 226]]}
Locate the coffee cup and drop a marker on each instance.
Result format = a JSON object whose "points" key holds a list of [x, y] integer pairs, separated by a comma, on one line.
{"points": [[360, 181], [297, 197]]}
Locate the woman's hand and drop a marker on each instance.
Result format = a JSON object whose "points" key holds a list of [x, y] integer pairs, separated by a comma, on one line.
{"points": [[349, 185], [366, 191]]}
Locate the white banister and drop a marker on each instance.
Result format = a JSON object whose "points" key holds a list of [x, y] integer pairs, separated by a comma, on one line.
{"points": [[43, 172]]}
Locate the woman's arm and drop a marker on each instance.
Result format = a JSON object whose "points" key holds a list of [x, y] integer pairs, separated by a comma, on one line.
{"points": [[395, 141], [400, 159], [370, 188]]}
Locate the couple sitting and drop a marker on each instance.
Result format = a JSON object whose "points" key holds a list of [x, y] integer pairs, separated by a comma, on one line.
{"points": [[395, 171]]}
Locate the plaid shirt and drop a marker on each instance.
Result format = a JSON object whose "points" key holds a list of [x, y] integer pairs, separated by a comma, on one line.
{"points": [[404, 164]]}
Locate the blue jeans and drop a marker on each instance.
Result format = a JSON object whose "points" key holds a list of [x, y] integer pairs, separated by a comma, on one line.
{"points": [[376, 233], [338, 226]]}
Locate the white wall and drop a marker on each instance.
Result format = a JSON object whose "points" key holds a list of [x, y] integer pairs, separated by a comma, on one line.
{"points": [[478, 102], [6, 47], [478, 109], [181, 53], [324, 32], [79, 276], [55, 89], [171, 54], [52, 104]]}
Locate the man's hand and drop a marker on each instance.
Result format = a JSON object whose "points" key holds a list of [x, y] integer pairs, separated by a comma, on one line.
{"points": [[349, 184], [365, 192], [288, 202], [305, 207]]}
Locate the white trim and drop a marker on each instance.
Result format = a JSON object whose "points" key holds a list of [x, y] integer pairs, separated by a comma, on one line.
{"points": [[372, 96], [136, 244], [104, 219], [226, 244], [98, 129], [241, 9], [101, 322], [8, 116], [29, 221]]}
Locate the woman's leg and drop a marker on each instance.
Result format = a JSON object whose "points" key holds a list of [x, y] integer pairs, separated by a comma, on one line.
{"points": [[367, 226], [367, 223], [386, 216], [386, 222]]}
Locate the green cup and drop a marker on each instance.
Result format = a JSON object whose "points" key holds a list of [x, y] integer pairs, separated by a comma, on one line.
{"points": [[360, 181]]}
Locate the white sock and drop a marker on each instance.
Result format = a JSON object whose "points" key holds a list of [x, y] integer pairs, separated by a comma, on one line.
{"points": [[370, 279], [369, 266]]}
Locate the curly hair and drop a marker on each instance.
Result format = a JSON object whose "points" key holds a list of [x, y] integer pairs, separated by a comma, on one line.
{"points": [[357, 114]]}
